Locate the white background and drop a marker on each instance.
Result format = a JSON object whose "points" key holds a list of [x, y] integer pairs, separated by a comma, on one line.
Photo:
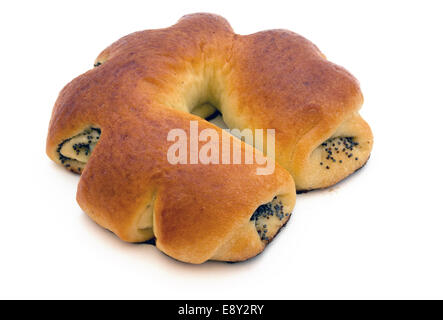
{"points": [[378, 234]]}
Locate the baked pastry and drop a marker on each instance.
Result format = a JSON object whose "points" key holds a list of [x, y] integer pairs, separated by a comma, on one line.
{"points": [[111, 124]]}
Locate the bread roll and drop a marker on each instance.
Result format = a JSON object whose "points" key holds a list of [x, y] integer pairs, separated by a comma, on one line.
{"points": [[111, 124]]}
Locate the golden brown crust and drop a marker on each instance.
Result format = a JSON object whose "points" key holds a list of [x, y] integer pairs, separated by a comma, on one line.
{"points": [[196, 207], [283, 81], [147, 84]]}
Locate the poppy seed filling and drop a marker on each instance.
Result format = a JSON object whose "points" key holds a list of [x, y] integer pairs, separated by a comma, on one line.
{"points": [[339, 149], [268, 218], [74, 152]]}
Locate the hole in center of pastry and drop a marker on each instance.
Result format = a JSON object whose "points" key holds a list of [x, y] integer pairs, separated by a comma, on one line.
{"points": [[269, 218], [210, 113], [206, 111], [74, 152]]}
